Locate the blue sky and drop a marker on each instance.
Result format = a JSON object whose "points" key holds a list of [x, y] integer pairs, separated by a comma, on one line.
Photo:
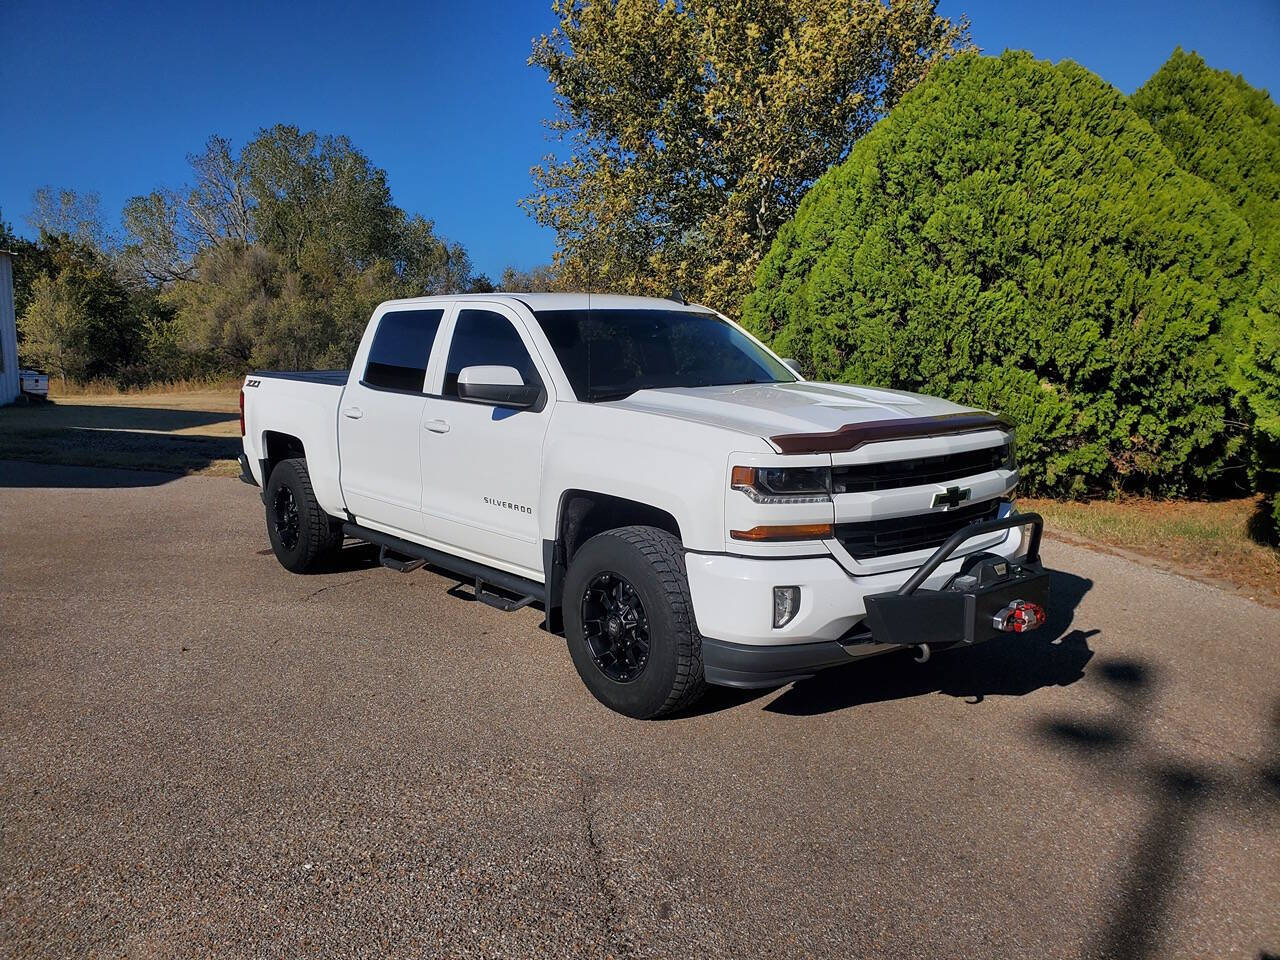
{"points": [[112, 97]]}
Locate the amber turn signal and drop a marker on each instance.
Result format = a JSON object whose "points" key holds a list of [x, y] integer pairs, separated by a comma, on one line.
{"points": [[795, 531]]}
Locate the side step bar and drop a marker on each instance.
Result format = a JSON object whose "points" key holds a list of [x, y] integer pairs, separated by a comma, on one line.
{"points": [[398, 562], [527, 590], [498, 601]]}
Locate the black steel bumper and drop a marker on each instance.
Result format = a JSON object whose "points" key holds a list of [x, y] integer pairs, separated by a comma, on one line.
{"points": [[960, 613]]}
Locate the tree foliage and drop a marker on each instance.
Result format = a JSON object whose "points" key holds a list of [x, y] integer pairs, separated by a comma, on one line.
{"points": [[1014, 236], [272, 255], [71, 213], [79, 321], [539, 279], [276, 255], [30, 260], [694, 128], [1228, 133]]}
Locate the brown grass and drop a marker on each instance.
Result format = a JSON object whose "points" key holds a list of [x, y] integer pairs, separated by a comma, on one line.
{"points": [[1207, 541], [101, 388]]}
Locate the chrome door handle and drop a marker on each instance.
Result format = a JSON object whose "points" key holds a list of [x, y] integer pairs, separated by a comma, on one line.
{"points": [[436, 426], [352, 413]]}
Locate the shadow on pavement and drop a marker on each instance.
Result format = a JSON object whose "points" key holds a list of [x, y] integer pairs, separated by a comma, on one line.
{"points": [[95, 446], [20, 473], [1012, 666], [1178, 795], [108, 417]]}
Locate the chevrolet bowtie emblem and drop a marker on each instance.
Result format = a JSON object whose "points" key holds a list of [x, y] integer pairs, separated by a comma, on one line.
{"points": [[952, 497]]}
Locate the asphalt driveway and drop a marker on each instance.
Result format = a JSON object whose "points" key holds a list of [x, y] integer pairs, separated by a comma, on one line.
{"points": [[203, 754]]}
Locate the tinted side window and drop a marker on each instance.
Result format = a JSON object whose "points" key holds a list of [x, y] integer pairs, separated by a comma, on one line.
{"points": [[400, 348], [482, 338]]}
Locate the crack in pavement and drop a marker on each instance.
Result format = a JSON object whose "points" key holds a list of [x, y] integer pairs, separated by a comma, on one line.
{"points": [[332, 586], [613, 919]]}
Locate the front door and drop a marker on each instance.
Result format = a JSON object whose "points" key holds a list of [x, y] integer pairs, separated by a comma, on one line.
{"points": [[482, 464], [378, 423]]}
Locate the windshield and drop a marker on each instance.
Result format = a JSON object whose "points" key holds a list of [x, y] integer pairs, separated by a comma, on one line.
{"points": [[610, 354]]}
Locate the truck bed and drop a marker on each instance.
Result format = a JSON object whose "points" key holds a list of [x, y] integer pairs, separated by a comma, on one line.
{"points": [[332, 378]]}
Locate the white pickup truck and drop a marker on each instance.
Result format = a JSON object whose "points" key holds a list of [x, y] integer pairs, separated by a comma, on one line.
{"points": [[681, 502]]}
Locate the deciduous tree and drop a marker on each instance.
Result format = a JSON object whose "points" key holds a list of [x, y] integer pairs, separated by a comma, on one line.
{"points": [[73, 213], [79, 321], [694, 128]]}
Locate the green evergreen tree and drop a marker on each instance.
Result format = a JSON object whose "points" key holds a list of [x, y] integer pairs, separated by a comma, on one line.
{"points": [[1228, 133], [1014, 236]]}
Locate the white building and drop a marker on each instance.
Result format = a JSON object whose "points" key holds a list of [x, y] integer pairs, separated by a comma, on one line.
{"points": [[9, 386]]}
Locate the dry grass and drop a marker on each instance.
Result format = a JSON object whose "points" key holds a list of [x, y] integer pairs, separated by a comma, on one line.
{"points": [[1208, 541], [189, 431], [101, 388]]}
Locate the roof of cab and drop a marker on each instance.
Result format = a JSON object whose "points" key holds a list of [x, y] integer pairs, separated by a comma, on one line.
{"points": [[559, 301]]}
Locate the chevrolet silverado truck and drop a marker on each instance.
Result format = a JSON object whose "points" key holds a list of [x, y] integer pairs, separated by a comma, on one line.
{"points": [[683, 505]]}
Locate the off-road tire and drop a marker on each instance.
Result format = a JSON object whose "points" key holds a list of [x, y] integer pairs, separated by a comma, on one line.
{"points": [[652, 562], [317, 533]]}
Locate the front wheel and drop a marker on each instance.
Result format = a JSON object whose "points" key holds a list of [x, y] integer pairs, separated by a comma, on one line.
{"points": [[629, 622], [299, 529]]}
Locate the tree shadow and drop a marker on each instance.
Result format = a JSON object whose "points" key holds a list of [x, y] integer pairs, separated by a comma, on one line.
{"points": [[108, 417], [64, 443], [19, 474], [1011, 666], [1178, 795], [1262, 526]]}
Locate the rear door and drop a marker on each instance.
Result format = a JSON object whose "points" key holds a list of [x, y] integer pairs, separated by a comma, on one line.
{"points": [[482, 463], [378, 421]]}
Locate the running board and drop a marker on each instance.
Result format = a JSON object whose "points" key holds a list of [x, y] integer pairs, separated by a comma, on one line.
{"points": [[498, 601], [398, 562], [528, 590]]}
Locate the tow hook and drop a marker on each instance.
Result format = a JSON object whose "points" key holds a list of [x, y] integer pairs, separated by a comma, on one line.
{"points": [[922, 653], [1019, 617]]}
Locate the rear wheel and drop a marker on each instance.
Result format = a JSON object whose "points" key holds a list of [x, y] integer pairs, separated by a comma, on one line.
{"points": [[630, 625], [300, 531]]}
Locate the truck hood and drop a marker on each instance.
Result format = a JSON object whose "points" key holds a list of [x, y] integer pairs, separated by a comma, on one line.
{"points": [[770, 409]]}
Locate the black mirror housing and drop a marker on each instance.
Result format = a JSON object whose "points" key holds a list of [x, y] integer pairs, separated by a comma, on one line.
{"points": [[520, 396]]}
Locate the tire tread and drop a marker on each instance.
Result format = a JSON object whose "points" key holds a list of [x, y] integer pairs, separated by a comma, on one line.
{"points": [[665, 554], [319, 533]]}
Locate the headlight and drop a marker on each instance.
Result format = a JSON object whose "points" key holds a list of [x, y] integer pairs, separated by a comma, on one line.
{"points": [[1011, 454], [784, 484]]}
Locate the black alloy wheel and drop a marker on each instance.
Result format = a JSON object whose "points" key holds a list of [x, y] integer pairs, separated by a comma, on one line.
{"points": [[299, 529], [628, 621], [615, 627], [286, 518]]}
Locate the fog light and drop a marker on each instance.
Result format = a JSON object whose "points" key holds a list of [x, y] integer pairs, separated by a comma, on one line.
{"points": [[786, 604]]}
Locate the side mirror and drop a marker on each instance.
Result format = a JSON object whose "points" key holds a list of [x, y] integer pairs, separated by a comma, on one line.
{"points": [[793, 366], [500, 386]]}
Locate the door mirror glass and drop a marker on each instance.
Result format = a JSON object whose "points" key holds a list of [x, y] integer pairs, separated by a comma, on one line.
{"points": [[500, 386]]}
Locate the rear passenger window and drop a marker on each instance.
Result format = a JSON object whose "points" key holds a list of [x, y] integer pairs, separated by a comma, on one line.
{"points": [[482, 338], [400, 348]]}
